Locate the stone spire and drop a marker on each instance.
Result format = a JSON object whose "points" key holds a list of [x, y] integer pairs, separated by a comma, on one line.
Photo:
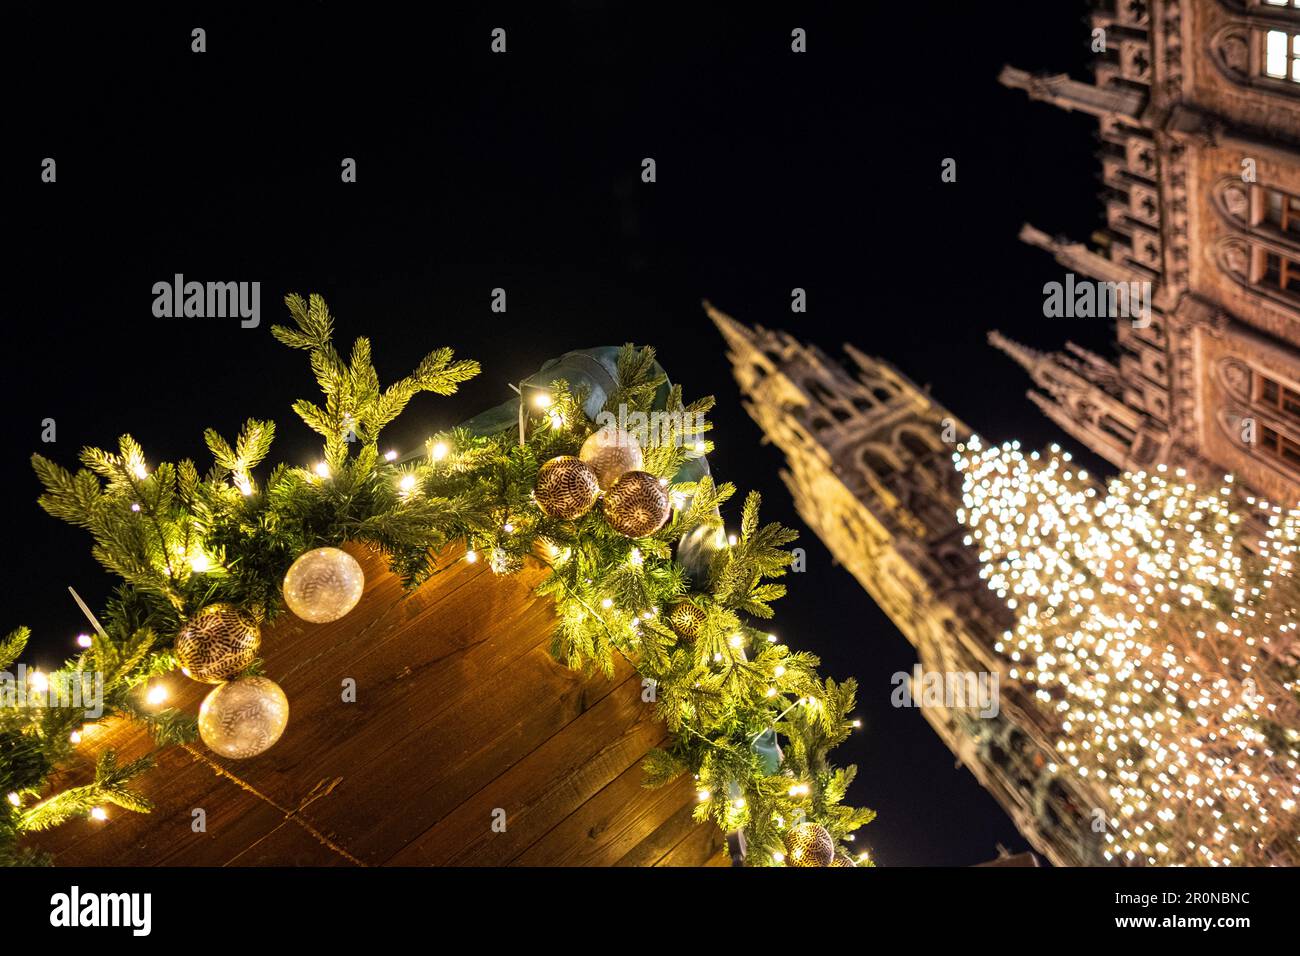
{"points": [[1059, 90]]}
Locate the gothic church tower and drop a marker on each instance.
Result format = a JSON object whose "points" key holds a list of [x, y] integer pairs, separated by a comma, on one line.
{"points": [[870, 467]]}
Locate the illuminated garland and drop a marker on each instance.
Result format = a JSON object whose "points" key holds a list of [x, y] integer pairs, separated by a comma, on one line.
{"points": [[1157, 628], [183, 543]]}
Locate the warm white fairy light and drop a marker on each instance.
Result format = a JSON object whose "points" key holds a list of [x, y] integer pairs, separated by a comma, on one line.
{"points": [[157, 694], [83, 640], [99, 814], [1153, 639], [15, 799], [38, 682], [407, 483], [439, 451], [390, 456], [200, 562], [471, 556], [322, 470]]}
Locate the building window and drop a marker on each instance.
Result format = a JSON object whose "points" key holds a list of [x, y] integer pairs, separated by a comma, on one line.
{"points": [[1276, 445], [1280, 272], [1282, 55], [1277, 398], [1282, 210]]}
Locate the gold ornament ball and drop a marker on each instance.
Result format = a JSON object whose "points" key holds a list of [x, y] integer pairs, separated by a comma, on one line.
{"points": [[612, 453], [323, 585], [243, 718], [217, 643], [842, 859], [808, 844], [637, 505], [687, 619], [566, 488]]}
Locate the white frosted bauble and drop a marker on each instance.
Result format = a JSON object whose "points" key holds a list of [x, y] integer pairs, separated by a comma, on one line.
{"points": [[323, 585], [243, 718], [611, 453]]}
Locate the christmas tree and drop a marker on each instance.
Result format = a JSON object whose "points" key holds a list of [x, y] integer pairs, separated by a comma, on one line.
{"points": [[1157, 629]]}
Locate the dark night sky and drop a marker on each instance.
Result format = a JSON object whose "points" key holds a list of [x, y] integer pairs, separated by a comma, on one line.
{"points": [[522, 171]]}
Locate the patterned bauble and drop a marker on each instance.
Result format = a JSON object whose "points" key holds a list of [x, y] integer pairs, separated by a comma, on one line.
{"points": [[687, 619], [217, 643], [842, 859], [808, 844], [566, 488], [637, 505], [323, 585], [612, 453], [243, 718]]}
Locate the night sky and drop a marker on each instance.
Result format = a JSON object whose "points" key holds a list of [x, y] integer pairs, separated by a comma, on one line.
{"points": [[521, 171]]}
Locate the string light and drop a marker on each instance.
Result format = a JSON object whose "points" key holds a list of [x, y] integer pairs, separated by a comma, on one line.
{"points": [[99, 814], [39, 682], [439, 451], [15, 799], [157, 694], [199, 562], [542, 399], [83, 640], [390, 455], [322, 470], [407, 484], [1141, 618], [471, 556]]}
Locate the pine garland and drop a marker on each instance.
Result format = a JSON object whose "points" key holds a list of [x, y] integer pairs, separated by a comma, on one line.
{"points": [[181, 541]]}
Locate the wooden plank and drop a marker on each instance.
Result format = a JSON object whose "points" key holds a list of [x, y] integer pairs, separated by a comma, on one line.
{"points": [[604, 829], [698, 848], [460, 710], [544, 788], [288, 845], [436, 768]]}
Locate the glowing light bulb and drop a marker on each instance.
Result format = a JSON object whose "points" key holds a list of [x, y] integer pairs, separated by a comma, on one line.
{"points": [[439, 451], [322, 470], [99, 814], [471, 556], [83, 640], [390, 456], [157, 694], [407, 484]]}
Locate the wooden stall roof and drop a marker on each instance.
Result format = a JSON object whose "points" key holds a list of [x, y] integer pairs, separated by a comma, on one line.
{"points": [[460, 713]]}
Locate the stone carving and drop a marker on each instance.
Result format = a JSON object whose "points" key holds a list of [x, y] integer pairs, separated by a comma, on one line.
{"points": [[1236, 200], [1236, 377]]}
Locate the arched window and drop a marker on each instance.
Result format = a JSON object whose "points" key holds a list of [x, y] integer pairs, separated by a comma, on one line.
{"points": [[914, 444], [875, 462]]}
